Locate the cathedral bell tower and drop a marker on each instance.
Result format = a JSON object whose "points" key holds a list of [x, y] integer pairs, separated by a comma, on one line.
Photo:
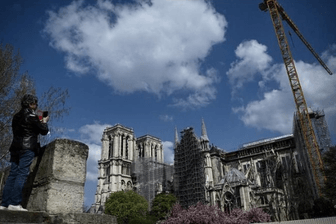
{"points": [[117, 155]]}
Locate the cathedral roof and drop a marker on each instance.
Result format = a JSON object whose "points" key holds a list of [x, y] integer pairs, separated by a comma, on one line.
{"points": [[265, 141], [234, 176]]}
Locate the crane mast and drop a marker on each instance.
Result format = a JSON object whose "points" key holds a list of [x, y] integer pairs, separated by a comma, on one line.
{"points": [[307, 130]]}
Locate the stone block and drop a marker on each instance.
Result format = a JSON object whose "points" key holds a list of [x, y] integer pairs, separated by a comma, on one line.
{"points": [[9, 217], [58, 185], [84, 218]]}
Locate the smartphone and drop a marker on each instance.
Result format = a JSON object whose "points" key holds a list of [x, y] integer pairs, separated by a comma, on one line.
{"points": [[45, 113]]}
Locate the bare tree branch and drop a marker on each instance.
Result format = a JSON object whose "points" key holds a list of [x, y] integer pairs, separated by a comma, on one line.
{"points": [[13, 86]]}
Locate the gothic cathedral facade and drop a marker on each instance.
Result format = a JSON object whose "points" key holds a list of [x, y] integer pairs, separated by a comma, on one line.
{"points": [[120, 150]]}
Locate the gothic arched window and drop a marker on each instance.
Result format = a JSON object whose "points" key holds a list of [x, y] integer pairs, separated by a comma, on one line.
{"points": [[108, 177], [122, 146], [129, 185], [228, 202], [110, 147], [156, 149], [126, 153], [151, 151], [123, 186]]}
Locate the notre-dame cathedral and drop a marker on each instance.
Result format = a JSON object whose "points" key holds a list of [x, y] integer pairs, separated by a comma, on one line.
{"points": [[130, 163], [274, 174]]}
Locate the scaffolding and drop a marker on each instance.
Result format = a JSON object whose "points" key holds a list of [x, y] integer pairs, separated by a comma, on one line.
{"points": [[321, 130], [151, 178], [310, 158], [189, 175]]}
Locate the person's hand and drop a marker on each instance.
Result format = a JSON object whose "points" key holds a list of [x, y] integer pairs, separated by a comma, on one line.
{"points": [[45, 119]]}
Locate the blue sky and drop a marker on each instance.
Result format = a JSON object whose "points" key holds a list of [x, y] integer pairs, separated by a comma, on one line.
{"points": [[160, 64]]}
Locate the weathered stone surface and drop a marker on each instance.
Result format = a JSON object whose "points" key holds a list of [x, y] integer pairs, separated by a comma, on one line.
{"points": [[43, 217], [59, 182], [24, 217], [84, 218]]}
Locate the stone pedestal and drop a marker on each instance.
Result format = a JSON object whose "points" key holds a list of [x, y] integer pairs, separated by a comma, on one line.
{"points": [[58, 186]]}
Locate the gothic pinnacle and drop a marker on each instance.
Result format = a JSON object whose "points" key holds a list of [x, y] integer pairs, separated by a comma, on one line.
{"points": [[204, 132], [176, 137]]}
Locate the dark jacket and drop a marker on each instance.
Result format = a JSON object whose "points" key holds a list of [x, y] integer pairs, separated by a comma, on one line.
{"points": [[26, 128]]}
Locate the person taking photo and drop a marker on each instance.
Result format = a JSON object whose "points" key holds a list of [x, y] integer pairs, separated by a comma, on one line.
{"points": [[26, 127]]}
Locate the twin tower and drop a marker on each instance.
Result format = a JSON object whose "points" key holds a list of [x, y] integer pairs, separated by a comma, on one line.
{"points": [[120, 150]]}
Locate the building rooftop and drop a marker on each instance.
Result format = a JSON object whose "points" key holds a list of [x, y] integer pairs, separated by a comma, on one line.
{"points": [[268, 140], [233, 176]]}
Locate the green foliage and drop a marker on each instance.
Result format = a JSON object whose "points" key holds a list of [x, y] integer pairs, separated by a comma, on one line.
{"points": [[126, 206], [143, 220], [162, 204], [329, 159]]}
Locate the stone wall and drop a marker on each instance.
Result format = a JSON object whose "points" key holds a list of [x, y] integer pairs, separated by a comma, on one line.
{"points": [[56, 184], [9, 217]]}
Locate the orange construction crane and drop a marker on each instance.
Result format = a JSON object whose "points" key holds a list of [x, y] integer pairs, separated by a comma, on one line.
{"points": [[277, 14]]}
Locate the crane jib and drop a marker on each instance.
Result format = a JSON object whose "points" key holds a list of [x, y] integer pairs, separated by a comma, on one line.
{"points": [[264, 7], [278, 14]]}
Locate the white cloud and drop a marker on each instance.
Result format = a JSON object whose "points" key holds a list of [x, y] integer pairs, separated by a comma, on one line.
{"points": [[201, 97], [92, 133], [168, 149], [154, 47], [166, 117], [274, 111], [252, 60], [92, 162], [196, 99]]}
